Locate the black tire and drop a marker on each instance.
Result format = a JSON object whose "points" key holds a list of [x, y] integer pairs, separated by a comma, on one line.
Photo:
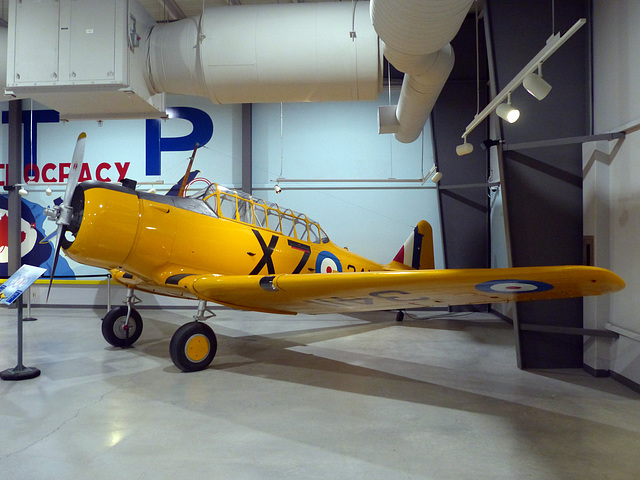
{"points": [[193, 347], [399, 316], [113, 327]]}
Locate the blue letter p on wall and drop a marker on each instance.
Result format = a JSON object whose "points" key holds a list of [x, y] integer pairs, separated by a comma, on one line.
{"points": [[155, 144]]}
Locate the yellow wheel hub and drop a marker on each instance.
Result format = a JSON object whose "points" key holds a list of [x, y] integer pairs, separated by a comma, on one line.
{"points": [[197, 348]]}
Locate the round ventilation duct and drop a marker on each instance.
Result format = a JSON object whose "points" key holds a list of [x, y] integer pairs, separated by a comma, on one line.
{"points": [[269, 53], [416, 36]]}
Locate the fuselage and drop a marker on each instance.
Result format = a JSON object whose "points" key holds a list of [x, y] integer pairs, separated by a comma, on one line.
{"points": [[151, 241]]}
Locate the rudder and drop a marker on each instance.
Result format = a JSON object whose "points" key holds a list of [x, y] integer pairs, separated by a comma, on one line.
{"points": [[417, 251]]}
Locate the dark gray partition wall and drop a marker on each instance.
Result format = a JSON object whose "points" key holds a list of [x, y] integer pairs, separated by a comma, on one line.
{"points": [[464, 202], [543, 186]]}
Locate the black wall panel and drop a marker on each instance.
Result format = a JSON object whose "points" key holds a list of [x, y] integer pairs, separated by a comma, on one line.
{"points": [[543, 186], [464, 210]]}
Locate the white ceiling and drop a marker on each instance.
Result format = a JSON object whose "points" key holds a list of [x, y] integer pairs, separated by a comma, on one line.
{"points": [[167, 10]]}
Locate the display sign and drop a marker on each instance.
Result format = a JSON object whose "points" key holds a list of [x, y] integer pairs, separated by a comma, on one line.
{"points": [[19, 282]]}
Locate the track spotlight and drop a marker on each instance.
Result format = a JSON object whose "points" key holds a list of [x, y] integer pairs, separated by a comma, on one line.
{"points": [[536, 85], [48, 192], [23, 192], [508, 111], [464, 149], [552, 45], [434, 174], [277, 188]]}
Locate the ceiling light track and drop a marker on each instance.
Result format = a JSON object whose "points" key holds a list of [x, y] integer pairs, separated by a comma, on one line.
{"points": [[534, 84]]}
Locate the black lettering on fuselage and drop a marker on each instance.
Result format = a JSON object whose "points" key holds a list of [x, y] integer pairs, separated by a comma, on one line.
{"points": [[306, 252], [267, 251]]}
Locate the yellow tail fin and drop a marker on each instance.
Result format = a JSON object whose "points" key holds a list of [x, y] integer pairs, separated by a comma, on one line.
{"points": [[417, 251]]}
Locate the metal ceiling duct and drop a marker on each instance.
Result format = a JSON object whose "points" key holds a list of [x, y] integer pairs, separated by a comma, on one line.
{"points": [[174, 64], [416, 36], [269, 53], [324, 51]]}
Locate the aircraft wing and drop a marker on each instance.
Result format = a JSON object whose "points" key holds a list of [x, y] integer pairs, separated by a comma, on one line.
{"points": [[395, 290]]}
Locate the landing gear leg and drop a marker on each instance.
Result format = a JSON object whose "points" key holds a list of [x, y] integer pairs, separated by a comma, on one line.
{"points": [[122, 326], [194, 345], [204, 313]]}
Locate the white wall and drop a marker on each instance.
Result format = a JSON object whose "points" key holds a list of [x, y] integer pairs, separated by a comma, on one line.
{"points": [[614, 177], [340, 141], [616, 63]]}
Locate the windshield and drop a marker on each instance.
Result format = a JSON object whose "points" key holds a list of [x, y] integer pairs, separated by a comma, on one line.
{"points": [[235, 205]]}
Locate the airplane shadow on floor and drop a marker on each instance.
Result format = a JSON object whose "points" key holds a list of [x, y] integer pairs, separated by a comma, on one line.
{"points": [[281, 356]]}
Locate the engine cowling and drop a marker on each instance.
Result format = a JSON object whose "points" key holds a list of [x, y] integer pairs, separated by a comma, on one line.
{"points": [[104, 225]]}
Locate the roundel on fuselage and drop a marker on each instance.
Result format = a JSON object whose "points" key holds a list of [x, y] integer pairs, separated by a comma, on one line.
{"points": [[327, 262]]}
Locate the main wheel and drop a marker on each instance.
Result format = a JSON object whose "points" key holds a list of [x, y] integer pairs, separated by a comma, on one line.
{"points": [[193, 347], [117, 331]]}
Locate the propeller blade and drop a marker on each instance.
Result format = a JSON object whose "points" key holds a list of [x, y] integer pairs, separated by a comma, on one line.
{"points": [[65, 211], [76, 167], [59, 233]]}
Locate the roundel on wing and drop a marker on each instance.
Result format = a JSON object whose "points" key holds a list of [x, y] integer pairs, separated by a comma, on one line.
{"points": [[513, 286], [327, 262]]}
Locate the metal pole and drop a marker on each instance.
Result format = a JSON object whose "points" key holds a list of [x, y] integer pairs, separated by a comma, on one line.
{"points": [[108, 292], [29, 318], [13, 177], [20, 372], [20, 334], [247, 149]]}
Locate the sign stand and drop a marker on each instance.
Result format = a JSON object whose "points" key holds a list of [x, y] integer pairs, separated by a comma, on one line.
{"points": [[10, 291], [20, 372]]}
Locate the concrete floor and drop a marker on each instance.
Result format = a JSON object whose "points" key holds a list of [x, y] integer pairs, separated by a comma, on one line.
{"points": [[301, 397]]}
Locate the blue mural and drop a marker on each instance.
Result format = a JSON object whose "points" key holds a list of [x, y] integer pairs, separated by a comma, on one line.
{"points": [[38, 252]]}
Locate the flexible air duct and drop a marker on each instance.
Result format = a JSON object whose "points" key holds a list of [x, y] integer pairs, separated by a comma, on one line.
{"points": [[416, 34], [419, 94], [269, 53]]}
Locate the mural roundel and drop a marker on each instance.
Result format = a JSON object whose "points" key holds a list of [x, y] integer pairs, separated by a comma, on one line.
{"points": [[327, 262], [35, 251], [513, 286]]}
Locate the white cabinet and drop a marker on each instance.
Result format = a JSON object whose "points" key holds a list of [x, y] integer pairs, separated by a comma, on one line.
{"points": [[67, 43], [81, 57]]}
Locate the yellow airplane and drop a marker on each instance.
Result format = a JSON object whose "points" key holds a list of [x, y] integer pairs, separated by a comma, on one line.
{"points": [[227, 247]]}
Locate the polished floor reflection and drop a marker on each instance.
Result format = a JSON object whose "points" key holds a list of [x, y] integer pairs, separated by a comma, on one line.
{"points": [[303, 397]]}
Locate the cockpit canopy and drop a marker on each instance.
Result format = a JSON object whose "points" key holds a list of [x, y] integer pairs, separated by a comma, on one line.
{"points": [[234, 205]]}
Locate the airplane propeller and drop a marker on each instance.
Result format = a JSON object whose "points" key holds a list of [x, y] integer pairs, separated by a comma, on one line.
{"points": [[63, 214]]}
